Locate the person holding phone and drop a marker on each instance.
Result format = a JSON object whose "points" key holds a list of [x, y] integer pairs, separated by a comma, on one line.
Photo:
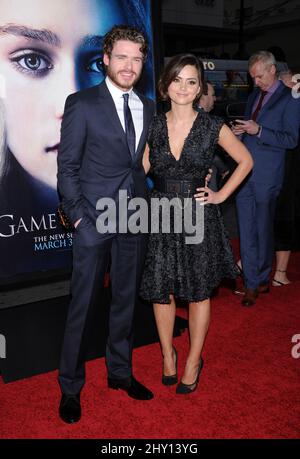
{"points": [[270, 127]]}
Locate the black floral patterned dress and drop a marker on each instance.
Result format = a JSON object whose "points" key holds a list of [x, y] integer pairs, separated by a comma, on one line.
{"points": [[188, 271]]}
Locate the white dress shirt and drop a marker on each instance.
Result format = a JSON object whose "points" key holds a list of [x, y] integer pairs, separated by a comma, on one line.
{"points": [[135, 105]]}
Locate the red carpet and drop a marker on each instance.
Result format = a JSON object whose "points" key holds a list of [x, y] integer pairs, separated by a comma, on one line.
{"points": [[249, 387]]}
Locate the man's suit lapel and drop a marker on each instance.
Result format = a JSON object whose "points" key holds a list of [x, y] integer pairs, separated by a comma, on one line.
{"points": [[110, 113], [272, 101], [146, 122], [252, 98]]}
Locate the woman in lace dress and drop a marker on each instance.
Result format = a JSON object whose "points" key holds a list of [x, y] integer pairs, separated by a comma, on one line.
{"points": [[179, 153]]}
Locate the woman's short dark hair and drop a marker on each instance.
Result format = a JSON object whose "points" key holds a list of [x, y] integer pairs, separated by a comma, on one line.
{"points": [[125, 32], [172, 70]]}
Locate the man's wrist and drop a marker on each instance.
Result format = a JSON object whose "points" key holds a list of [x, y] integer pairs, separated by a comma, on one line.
{"points": [[259, 131]]}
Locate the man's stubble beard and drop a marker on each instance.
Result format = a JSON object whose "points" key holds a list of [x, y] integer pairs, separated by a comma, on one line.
{"points": [[114, 78]]}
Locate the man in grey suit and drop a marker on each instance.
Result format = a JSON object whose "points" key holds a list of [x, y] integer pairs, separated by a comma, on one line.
{"points": [[103, 136]]}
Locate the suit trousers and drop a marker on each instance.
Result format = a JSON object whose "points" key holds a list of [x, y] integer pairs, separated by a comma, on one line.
{"points": [[256, 203], [126, 254]]}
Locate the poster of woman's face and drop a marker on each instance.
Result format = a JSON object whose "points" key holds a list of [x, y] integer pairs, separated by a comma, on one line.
{"points": [[48, 50]]}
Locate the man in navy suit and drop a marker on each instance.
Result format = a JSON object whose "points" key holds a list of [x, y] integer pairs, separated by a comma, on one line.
{"points": [[270, 128], [103, 136]]}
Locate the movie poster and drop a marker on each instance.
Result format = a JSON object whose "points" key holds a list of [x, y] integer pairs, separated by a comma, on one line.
{"points": [[48, 50]]}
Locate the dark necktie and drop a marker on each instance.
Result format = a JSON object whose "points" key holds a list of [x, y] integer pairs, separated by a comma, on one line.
{"points": [[129, 126], [258, 107]]}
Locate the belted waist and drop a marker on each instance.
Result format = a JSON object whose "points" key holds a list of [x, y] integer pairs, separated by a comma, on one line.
{"points": [[181, 187]]}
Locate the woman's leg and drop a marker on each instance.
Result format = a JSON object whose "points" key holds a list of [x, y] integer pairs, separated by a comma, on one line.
{"points": [[199, 318], [282, 260], [165, 319]]}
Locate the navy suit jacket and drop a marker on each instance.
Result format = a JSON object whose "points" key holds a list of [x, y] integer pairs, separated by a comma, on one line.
{"points": [[279, 119], [94, 160]]}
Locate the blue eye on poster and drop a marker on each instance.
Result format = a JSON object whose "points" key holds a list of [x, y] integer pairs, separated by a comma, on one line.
{"points": [[48, 50]]}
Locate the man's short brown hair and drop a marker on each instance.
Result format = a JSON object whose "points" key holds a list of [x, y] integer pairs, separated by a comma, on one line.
{"points": [[125, 32]]}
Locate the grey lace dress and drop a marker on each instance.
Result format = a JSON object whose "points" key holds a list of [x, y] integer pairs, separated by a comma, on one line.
{"points": [[188, 271]]}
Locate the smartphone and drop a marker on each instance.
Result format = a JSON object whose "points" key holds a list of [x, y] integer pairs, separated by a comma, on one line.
{"points": [[235, 123]]}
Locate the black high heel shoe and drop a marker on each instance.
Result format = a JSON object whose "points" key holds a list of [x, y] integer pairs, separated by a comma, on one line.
{"points": [[277, 283], [173, 379], [189, 388]]}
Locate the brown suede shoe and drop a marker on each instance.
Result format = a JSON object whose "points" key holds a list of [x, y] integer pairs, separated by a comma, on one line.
{"points": [[249, 298]]}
